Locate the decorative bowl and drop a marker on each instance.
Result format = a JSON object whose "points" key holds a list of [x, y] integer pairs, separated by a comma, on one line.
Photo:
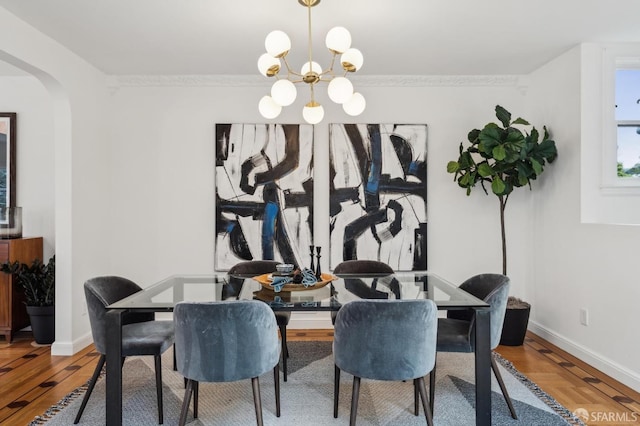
{"points": [[284, 268]]}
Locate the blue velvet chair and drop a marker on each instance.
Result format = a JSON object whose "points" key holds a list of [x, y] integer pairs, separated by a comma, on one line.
{"points": [[225, 342], [455, 333], [385, 340], [141, 335], [259, 267], [357, 286]]}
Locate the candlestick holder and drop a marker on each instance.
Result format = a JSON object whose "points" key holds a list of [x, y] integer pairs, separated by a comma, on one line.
{"points": [[318, 269]]}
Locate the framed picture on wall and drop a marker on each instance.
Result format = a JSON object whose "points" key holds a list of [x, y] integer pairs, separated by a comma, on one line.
{"points": [[378, 194], [263, 193], [7, 159]]}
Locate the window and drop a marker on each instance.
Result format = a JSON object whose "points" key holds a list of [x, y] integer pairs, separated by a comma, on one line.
{"points": [[627, 117]]}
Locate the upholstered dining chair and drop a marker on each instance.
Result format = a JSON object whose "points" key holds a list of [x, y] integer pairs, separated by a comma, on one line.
{"points": [[356, 285], [226, 341], [362, 267], [455, 333], [258, 267], [141, 334], [385, 340]]}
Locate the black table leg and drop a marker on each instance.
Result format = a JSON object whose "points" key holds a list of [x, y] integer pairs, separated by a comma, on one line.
{"points": [[114, 370], [483, 367]]}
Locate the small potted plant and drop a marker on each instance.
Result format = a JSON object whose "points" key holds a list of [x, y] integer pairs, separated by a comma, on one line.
{"points": [[38, 283]]}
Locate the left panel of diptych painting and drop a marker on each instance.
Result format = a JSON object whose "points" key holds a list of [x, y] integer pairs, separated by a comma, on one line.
{"points": [[264, 193]]}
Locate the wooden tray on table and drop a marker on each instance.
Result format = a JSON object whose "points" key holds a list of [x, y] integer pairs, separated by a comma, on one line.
{"points": [[265, 281]]}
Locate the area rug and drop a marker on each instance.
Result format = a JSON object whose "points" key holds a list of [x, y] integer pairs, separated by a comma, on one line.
{"points": [[307, 396]]}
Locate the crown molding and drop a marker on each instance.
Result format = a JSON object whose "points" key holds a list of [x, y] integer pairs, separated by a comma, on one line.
{"points": [[118, 81]]}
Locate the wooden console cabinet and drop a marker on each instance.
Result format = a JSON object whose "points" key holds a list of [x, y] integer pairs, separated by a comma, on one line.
{"points": [[13, 313]]}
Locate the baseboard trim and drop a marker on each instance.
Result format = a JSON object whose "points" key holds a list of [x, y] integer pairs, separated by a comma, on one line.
{"points": [[310, 320], [602, 363], [70, 348]]}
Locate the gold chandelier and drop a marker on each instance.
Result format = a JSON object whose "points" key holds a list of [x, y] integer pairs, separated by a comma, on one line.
{"points": [[283, 91]]}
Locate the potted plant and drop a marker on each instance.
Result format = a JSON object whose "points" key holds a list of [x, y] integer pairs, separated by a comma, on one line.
{"points": [[504, 158], [38, 283]]}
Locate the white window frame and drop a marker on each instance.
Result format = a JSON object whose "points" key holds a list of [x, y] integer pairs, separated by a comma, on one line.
{"points": [[615, 58]]}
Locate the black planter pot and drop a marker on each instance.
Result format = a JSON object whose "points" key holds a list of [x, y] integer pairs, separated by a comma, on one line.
{"points": [[515, 326], [43, 323]]}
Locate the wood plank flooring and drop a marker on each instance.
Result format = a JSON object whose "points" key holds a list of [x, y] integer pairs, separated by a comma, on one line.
{"points": [[31, 380]]}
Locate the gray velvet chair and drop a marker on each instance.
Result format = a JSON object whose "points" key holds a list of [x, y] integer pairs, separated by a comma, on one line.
{"points": [[362, 267], [225, 342], [141, 335], [385, 340], [357, 286], [455, 333], [258, 267]]}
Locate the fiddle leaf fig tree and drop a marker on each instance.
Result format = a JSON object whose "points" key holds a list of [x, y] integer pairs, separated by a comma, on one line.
{"points": [[504, 158]]}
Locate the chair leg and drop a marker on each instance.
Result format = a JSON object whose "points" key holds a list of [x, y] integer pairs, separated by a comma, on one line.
{"points": [[175, 362], [416, 406], [355, 395], [432, 388], [196, 393], [255, 383], [276, 381], [158, 364], [284, 351], [425, 404], [336, 390], [185, 404], [503, 388], [92, 383]]}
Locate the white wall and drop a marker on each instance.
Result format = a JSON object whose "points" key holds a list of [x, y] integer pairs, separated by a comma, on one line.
{"points": [[579, 265], [27, 97], [79, 133], [163, 182]]}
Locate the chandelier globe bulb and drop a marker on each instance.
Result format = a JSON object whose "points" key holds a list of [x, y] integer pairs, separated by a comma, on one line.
{"points": [[268, 107], [340, 90], [315, 67], [284, 92], [355, 105], [268, 65], [313, 112], [352, 60], [277, 43], [338, 39]]}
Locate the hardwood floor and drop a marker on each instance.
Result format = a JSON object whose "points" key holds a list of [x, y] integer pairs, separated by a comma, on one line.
{"points": [[31, 380]]}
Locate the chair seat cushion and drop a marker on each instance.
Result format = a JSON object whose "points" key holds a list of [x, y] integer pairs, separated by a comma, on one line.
{"points": [[147, 338], [454, 335]]}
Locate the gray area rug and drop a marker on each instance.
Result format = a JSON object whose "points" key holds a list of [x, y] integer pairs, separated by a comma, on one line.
{"points": [[307, 396]]}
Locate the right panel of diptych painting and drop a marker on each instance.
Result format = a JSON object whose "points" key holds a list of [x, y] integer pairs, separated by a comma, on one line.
{"points": [[378, 194]]}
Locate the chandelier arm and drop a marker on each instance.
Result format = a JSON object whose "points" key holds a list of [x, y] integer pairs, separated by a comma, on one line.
{"points": [[290, 71]]}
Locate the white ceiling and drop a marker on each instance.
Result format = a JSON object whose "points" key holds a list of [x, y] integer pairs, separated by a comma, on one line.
{"points": [[406, 37]]}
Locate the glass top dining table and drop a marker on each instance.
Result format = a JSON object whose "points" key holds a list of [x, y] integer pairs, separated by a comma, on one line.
{"points": [[328, 295]]}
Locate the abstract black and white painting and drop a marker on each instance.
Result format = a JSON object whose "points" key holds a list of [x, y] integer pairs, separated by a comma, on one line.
{"points": [[378, 193], [264, 193]]}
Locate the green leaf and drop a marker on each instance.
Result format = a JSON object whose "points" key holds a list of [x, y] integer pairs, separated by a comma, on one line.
{"points": [[503, 115], [465, 180], [547, 149], [465, 161], [521, 120], [499, 153], [533, 138], [537, 167], [497, 186], [473, 135], [514, 135], [453, 166], [485, 170]]}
